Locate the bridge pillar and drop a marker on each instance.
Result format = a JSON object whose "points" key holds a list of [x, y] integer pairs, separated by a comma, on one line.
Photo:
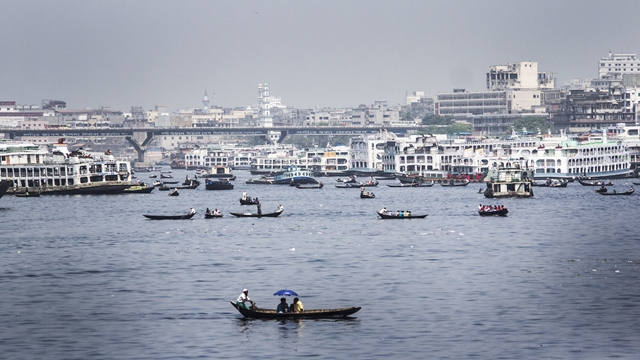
{"points": [[141, 149], [284, 134]]}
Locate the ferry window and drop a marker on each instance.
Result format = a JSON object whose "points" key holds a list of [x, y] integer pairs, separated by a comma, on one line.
{"points": [[630, 132]]}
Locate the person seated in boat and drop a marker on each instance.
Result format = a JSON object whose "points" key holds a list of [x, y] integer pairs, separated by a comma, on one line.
{"points": [[243, 299], [297, 306], [216, 212], [383, 211], [280, 207], [192, 210], [283, 307]]}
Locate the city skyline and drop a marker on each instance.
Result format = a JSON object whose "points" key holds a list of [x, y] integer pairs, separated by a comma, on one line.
{"points": [[312, 54]]}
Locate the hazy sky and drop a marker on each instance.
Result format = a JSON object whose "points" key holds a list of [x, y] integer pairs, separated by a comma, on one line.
{"points": [[311, 53]]}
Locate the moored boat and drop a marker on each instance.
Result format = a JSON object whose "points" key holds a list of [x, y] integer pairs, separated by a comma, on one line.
{"points": [[306, 314], [62, 172]]}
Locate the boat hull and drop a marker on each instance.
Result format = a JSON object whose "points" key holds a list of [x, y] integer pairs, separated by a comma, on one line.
{"points": [[307, 314], [386, 216], [169, 217], [243, 214]]}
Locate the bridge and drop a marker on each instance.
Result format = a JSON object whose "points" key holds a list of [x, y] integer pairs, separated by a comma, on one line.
{"points": [[130, 134]]}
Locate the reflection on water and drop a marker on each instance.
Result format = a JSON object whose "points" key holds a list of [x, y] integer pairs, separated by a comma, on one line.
{"points": [[89, 277]]}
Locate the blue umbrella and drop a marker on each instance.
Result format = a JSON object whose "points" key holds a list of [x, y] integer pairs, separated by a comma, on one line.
{"points": [[285, 292]]}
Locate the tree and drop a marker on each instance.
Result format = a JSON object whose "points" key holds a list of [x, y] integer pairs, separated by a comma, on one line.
{"points": [[532, 123], [436, 120]]}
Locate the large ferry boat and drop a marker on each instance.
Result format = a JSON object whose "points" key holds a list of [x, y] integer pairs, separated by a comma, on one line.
{"points": [[592, 155], [61, 171], [509, 180]]}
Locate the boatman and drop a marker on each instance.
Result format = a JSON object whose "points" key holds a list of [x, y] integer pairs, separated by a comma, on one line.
{"points": [[243, 299], [192, 211], [244, 195]]}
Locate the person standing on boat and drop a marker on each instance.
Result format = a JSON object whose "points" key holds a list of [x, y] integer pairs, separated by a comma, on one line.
{"points": [[244, 195], [243, 299], [259, 209], [283, 307], [297, 306]]}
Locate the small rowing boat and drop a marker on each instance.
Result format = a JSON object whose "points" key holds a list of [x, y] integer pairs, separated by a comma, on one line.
{"points": [[307, 314]]}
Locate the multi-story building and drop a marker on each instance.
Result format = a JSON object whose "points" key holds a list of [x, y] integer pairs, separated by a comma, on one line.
{"points": [[615, 65]]}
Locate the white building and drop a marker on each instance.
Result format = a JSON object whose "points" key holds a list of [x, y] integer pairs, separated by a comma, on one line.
{"points": [[264, 100], [617, 64]]}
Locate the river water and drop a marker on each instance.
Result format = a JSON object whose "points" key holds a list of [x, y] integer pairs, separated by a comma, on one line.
{"points": [[88, 277]]}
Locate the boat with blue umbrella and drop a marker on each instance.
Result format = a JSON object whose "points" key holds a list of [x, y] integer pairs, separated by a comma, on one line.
{"points": [[258, 313]]}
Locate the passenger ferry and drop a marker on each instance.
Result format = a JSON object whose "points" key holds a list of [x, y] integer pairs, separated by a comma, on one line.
{"points": [[62, 172], [509, 181], [588, 156], [293, 176]]}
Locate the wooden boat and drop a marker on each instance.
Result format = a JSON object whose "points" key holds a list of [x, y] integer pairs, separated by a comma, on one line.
{"points": [[218, 184], [163, 176], [453, 183], [629, 192], [636, 183], [414, 184], [170, 217], [194, 184], [247, 214], [558, 184], [138, 189], [310, 186], [158, 183], [174, 193], [357, 185], [367, 195], [249, 201], [501, 212], [399, 215], [602, 190], [153, 176], [307, 314], [595, 183], [212, 216], [265, 180], [28, 194]]}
